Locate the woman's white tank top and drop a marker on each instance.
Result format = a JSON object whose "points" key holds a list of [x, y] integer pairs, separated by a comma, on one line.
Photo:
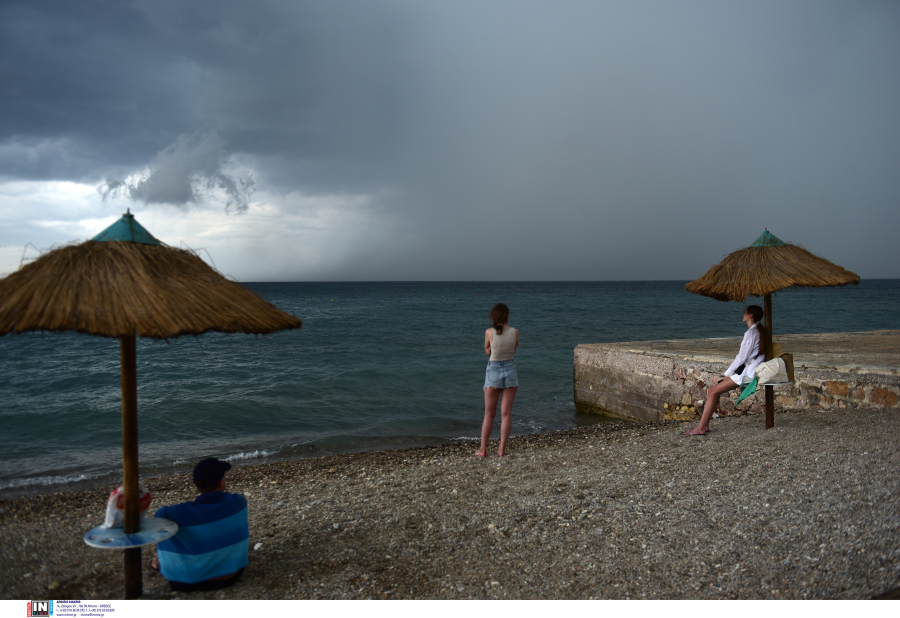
{"points": [[503, 346]]}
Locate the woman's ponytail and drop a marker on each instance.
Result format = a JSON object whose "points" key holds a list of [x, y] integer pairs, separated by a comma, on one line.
{"points": [[499, 316]]}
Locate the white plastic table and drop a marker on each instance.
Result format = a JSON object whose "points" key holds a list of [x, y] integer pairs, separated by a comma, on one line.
{"points": [[153, 530]]}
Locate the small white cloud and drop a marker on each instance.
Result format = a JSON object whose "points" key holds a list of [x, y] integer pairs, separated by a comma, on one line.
{"points": [[192, 170]]}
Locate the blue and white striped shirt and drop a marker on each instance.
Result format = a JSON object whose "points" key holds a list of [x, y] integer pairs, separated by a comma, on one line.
{"points": [[213, 538]]}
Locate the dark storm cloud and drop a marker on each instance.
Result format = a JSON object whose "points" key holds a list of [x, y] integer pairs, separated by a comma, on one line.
{"points": [[293, 80], [89, 78], [509, 140], [184, 173]]}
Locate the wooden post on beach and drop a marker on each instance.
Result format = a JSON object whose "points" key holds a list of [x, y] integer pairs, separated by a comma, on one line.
{"points": [[770, 390], [134, 586]]}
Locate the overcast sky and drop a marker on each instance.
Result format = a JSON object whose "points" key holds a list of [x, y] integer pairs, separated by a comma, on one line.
{"points": [[454, 140]]}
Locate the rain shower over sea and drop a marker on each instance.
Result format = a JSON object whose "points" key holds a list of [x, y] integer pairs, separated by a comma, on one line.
{"points": [[375, 366]]}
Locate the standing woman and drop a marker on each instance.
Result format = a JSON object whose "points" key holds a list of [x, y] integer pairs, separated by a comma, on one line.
{"points": [[741, 371], [500, 343]]}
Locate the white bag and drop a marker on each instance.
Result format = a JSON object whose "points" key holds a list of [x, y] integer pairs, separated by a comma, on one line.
{"points": [[115, 506], [772, 372]]}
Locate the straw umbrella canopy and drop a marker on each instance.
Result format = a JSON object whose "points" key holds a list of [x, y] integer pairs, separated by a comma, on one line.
{"points": [[125, 283], [762, 269]]}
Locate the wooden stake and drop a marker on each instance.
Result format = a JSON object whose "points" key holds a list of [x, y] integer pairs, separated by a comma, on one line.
{"points": [[134, 587], [770, 390]]}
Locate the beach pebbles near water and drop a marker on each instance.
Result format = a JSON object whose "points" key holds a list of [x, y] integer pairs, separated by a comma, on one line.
{"points": [[807, 510]]}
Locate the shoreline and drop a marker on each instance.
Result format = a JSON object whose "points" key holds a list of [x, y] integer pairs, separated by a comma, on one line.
{"points": [[809, 509], [452, 445], [107, 479]]}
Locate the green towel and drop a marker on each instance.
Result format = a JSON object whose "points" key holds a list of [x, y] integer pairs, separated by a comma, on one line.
{"points": [[748, 390]]}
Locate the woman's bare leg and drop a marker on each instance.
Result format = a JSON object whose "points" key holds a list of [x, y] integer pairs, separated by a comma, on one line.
{"points": [[506, 404], [491, 395], [712, 402]]}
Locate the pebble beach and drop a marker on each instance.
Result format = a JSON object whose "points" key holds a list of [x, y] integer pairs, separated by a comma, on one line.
{"points": [[807, 510]]}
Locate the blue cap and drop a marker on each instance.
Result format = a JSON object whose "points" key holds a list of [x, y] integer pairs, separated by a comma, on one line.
{"points": [[210, 471]]}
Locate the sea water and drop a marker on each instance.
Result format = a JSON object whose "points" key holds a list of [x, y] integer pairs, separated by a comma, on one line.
{"points": [[375, 366]]}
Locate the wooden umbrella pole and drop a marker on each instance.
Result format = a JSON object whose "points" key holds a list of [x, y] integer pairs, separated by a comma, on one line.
{"points": [[133, 580], [770, 390]]}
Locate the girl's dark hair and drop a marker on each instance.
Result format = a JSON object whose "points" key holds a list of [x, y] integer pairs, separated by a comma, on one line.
{"points": [[757, 312], [499, 316]]}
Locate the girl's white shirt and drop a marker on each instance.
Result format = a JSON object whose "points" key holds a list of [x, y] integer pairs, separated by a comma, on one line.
{"points": [[503, 346], [748, 356]]}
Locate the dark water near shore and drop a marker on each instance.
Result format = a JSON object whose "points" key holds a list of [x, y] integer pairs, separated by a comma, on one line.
{"points": [[375, 366]]}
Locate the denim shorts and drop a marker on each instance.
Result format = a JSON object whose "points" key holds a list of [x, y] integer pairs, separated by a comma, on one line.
{"points": [[501, 374]]}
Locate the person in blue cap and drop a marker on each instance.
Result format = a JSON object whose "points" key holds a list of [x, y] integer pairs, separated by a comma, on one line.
{"points": [[213, 541]]}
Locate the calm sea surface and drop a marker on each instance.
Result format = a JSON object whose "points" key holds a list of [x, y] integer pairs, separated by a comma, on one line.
{"points": [[375, 366]]}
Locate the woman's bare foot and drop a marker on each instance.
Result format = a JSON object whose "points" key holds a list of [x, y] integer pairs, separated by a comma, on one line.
{"points": [[695, 431], [479, 453]]}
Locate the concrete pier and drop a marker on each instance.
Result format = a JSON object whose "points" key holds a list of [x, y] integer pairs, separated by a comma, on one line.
{"points": [[646, 380]]}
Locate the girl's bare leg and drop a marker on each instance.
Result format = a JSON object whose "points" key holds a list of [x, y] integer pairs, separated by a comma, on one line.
{"points": [[506, 404], [712, 402], [491, 395]]}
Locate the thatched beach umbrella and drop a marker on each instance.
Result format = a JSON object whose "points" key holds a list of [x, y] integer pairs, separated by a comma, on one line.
{"points": [[763, 268], [125, 283]]}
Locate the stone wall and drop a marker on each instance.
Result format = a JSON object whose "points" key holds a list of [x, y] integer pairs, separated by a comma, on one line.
{"points": [[647, 380]]}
